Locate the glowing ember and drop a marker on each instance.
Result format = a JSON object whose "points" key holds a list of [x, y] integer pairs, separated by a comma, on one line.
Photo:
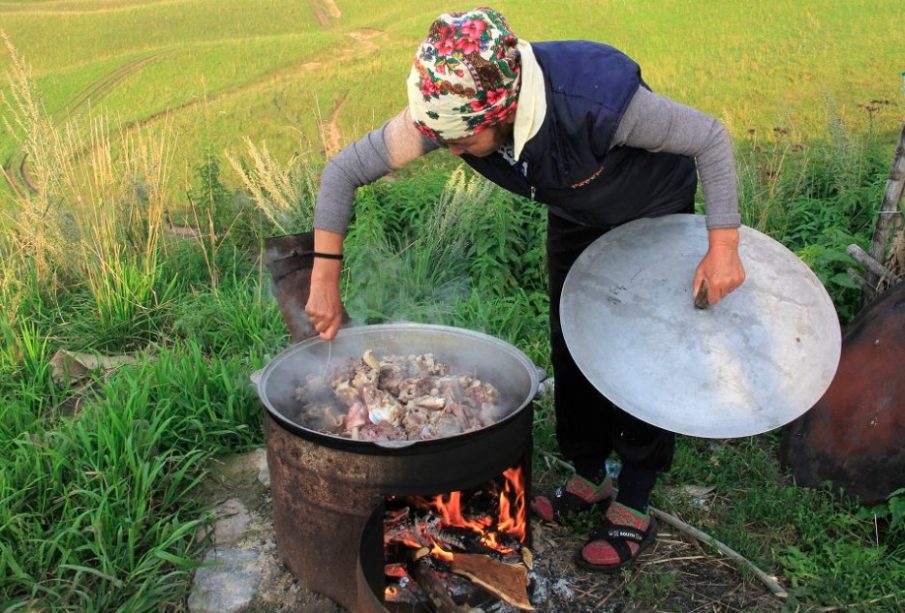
{"points": [[511, 519], [441, 553], [478, 535]]}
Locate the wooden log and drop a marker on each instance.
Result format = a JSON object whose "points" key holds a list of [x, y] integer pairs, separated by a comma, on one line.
{"points": [[889, 209], [863, 283], [435, 587], [507, 582], [868, 261], [896, 259]]}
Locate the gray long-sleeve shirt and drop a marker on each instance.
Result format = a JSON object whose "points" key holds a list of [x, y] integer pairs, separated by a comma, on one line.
{"points": [[651, 122]]}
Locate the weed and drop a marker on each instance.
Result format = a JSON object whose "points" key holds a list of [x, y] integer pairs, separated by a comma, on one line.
{"points": [[237, 317], [651, 588], [285, 195]]}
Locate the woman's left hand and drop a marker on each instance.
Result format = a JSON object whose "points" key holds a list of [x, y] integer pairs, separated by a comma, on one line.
{"points": [[721, 268]]}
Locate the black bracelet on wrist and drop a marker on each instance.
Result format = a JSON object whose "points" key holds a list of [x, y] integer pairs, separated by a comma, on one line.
{"points": [[327, 256]]}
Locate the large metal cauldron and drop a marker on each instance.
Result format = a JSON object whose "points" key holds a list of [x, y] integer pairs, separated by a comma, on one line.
{"points": [[326, 487]]}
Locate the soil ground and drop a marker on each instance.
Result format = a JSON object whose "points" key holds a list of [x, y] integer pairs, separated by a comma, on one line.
{"points": [[675, 574]]}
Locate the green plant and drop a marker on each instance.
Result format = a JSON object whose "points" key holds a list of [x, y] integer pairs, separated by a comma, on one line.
{"points": [[816, 199], [238, 316], [650, 589], [284, 194]]}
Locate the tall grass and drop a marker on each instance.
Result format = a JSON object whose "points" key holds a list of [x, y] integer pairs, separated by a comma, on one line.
{"points": [[816, 198], [97, 510], [284, 194]]}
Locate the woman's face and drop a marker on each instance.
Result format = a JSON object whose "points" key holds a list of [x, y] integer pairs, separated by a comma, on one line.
{"points": [[484, 142]]}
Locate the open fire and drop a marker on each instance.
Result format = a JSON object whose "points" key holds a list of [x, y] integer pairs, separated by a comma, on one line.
{"points": [[459, 549]]}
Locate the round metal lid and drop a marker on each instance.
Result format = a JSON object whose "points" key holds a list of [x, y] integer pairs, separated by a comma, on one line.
{"points": [[755, 361]]}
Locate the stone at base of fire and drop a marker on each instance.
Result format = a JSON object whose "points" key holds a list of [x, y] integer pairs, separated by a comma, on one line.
{"points": [[259, 459], [228, 587], [239, 477], [232, 523]]}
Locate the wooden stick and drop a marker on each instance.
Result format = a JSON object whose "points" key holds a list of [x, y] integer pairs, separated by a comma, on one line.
{"points": [[889, 209], [866, 602], [435, 588], [868, 289], [680, 525], [868, 261], [668, 560]]}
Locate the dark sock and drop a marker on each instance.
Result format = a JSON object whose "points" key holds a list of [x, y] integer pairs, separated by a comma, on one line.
{"points": [[592, 469], [635, 485]]}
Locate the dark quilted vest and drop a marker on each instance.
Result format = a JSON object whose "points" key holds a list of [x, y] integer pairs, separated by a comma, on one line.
{"points": [[570, 165]]}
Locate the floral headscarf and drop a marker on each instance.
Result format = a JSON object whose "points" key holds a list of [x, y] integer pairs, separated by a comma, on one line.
{"points": [[465, 76]]}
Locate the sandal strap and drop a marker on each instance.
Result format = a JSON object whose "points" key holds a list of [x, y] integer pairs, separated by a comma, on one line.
{"points": [[619, 537], [615, 533]]}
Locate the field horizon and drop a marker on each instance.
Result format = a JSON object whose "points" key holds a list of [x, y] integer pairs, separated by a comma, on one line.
{"points": [[309, 77]]}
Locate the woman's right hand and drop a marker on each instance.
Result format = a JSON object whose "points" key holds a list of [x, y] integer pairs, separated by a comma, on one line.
{"points": [[325, 307]]}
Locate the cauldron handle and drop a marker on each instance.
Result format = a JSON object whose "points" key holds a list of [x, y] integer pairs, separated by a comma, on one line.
{"points": [[256, 378]]}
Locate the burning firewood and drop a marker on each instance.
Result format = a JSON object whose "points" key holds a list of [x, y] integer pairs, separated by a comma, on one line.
{"points": [[507, 582], [435, 587], [415, 532]]}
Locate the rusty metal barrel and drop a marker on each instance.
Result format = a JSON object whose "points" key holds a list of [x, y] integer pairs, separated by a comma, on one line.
{"points": [[855, 435]]}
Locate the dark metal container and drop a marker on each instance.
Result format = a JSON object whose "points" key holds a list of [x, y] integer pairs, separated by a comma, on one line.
{"points": [[326, 487]]}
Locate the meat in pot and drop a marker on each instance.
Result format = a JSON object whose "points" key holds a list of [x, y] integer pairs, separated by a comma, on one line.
{"points": [[412, 397]]}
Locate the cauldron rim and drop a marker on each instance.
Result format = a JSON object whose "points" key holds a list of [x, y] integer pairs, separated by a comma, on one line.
{"points": [[261, 377]]}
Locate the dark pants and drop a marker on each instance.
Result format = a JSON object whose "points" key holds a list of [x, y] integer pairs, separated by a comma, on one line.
{"points": [[588, 426]]}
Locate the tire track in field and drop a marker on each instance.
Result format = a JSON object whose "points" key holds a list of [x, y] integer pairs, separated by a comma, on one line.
{"points": [[262, 82], [15, 167], [100, 88], [364, 42]]}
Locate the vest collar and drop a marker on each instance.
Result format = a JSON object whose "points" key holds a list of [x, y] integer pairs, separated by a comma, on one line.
{"points": [[532, 100]]}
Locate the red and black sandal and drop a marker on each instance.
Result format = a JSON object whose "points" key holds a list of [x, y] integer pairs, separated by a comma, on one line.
{"points": [[619, 540], [577, 495]]}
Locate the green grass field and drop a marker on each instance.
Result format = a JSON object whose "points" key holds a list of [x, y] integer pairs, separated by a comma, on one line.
{"points": [[224, 70], [136, 115]]}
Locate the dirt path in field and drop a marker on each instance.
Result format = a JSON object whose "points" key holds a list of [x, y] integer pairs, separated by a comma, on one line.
{"points": [[331, 136], [324, 11], [366, 42]]}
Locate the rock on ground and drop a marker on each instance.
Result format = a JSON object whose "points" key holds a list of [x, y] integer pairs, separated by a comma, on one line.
{"points": [[230, 585]]}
